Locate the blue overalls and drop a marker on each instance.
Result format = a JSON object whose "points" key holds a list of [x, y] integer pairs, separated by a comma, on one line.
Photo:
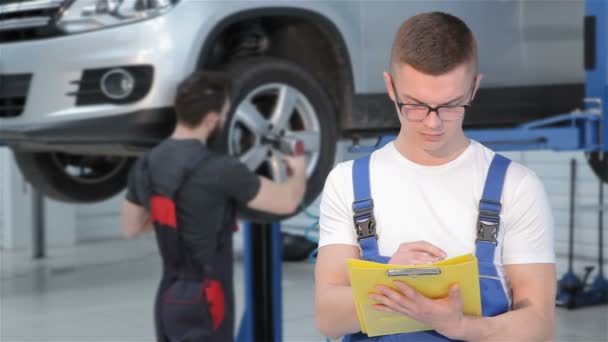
{"points": [[493, 298]]}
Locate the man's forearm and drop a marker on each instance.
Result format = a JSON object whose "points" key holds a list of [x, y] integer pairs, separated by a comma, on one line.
{"points": [[131, 232], [336, 313], [297, 187], [134, 219], [525, 324]]}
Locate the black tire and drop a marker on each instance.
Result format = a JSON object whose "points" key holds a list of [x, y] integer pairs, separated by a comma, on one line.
{"points": [[254, 73], [46, 172], [296, 247]]}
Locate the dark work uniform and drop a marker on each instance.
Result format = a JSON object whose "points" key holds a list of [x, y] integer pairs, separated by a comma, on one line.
{"points": [[195, 300]]}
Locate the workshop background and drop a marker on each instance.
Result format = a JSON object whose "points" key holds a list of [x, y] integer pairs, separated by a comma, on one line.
{"points": [[78, 279]]}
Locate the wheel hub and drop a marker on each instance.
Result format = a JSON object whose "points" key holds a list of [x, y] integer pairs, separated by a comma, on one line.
{"points": [[267, 115]]}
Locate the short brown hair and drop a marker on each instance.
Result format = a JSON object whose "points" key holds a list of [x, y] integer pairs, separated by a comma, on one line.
{"points": [[201, 93], [434, 43]]}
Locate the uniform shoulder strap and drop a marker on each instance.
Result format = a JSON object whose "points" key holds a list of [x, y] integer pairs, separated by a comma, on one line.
{"points": [[363, 212], [363, 205], [489, 206], [190, 168]]}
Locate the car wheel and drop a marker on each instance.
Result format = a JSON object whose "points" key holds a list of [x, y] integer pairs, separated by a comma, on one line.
{"points": [[272, 100], [74, 178]]}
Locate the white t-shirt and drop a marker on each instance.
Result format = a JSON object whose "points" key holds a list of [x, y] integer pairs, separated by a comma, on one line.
{"points": [[439, 204]]}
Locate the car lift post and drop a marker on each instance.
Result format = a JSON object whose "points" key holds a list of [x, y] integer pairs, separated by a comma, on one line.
{"points": [[596, 59], [262, 320], [596, 17], [38, 236]]}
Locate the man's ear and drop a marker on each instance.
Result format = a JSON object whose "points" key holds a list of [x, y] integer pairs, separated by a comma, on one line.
{"points": [[478, 79], [211, 120], [389, 86]]}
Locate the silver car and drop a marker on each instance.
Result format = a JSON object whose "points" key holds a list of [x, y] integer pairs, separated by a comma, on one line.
{"points": [[87, 85]]}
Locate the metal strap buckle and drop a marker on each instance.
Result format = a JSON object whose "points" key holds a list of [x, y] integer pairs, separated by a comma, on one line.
{"points": [[365, 225], [487, 232], [488, 222], [365, 228]]}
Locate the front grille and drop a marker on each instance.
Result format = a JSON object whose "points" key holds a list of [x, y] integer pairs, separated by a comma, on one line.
{"points": [[13, 93], [28, 20]]}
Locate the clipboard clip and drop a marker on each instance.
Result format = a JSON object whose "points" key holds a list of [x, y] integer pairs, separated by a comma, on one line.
{"points": [[414, 272]]}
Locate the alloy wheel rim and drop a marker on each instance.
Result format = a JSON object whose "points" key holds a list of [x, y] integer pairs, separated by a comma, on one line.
{"points": [[267, 114]]}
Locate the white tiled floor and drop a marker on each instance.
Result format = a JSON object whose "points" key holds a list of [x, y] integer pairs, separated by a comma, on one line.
{"points": [[103, 292]]}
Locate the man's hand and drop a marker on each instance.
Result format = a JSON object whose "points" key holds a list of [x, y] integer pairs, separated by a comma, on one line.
{"points": [[296, 165], [417, 253], [282, 198], [443, 315]]}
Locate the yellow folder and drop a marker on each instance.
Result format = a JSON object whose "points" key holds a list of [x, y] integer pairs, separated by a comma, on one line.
{"points": [[431, 280]]}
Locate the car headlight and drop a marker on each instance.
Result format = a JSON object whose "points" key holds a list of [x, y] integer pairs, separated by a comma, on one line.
{"points": [[86, 15]]}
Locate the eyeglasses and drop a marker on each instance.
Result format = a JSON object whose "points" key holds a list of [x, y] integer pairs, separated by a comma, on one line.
{"points": [[418, 112]]}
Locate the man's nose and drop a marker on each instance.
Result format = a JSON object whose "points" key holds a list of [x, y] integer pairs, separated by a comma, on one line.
{"points": [[432, 120]]}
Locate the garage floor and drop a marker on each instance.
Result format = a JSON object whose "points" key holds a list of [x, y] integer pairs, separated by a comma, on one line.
{"points": [[103, 292]]}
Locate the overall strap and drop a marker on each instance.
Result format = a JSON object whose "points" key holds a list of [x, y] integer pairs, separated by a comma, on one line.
{"points": [[193, 165], [165, 202], [488, 221], [363, 212], [145, 168], [184, 176]]}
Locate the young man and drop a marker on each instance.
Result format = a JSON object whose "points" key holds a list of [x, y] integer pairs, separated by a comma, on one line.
{"points": [[426, 188], [190, 195]]}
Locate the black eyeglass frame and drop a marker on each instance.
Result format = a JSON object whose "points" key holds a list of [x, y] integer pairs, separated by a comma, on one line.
{"points": [[429, 108]]}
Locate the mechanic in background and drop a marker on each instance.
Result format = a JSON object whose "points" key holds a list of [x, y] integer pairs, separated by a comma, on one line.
{"points": [[189, 194]]}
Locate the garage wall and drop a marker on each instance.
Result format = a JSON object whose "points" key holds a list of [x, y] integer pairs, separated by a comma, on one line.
{"points": [[99, 221], [553, 168], [16, 211], [15, 218]]}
